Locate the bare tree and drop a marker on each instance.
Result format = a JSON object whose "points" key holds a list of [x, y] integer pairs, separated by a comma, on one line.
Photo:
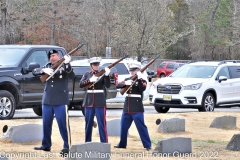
{"points": [[136, 31], [3, 21], [141, 28]]}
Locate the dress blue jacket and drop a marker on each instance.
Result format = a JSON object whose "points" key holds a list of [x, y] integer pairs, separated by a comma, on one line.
{"points": [[56, 90]]}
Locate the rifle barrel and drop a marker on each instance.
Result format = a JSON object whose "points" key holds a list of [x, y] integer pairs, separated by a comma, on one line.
{"points": [[103, 70], [44, 77], [126, 88]]}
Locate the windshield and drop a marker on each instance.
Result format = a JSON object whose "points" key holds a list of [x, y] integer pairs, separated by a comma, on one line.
{"points": [[11, 56], [194, 71]]}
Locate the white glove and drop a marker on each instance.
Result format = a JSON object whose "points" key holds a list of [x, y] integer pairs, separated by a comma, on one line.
{"points": [[48, 71], [128, 82], [67, 59], [93, 79], [140, 75], [107, 71]]}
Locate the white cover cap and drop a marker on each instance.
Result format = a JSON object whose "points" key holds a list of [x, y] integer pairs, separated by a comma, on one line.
{"points": [[95, 60], [134, 65]]}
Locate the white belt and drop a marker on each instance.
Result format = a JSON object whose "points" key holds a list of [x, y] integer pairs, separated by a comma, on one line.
{"points": [[94, 91], [134, 95]]}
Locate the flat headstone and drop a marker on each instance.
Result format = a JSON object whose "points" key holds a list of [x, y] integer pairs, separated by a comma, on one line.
{"points": [[172, 125], [24, 133], [3, 157], [173, 146], [224, 122], [113, 127], [90, 150], [234, 143]]}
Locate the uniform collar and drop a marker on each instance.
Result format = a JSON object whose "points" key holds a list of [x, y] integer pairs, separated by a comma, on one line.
{"points": [[94, 72]]}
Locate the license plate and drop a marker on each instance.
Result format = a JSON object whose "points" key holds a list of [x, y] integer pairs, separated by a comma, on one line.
{"points": [[167, 97]]}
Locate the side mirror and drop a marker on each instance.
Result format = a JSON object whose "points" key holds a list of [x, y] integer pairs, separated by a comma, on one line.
{"points": [[222, 78], [32, 66]]}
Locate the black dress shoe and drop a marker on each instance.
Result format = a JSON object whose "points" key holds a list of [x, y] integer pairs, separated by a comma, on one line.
{"points": [[41, 148], [119, 147], [148, 148], [64, 152]]}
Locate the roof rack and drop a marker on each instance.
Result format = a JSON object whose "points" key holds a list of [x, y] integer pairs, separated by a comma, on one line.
{"points": [[179, 61], [201, 60], [225, 61]]}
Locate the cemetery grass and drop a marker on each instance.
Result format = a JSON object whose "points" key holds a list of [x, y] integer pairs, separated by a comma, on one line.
{"points": [[207, 143]]}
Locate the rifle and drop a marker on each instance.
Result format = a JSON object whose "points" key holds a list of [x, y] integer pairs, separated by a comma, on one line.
{"points": [[101, 73], [56, 66], [134, 78]]}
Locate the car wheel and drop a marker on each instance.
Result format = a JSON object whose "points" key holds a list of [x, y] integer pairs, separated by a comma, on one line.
{"points": [[208, 103], [38, 110], [162, 75], [78, 107], [70, 107], [8, 105], [161, 109]]}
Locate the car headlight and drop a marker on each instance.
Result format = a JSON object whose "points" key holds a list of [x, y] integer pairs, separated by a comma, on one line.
{"points": [[193, 86]]}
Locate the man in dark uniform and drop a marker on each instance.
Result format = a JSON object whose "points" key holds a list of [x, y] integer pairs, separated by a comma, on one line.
{"points": [[133, 107], [55, 101], [94, 100]]}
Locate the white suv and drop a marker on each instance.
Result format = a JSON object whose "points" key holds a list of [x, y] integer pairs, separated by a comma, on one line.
{"points": [[201, 85]]}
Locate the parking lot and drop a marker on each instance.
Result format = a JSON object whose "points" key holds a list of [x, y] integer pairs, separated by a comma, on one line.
{"points": [[112, 112]]}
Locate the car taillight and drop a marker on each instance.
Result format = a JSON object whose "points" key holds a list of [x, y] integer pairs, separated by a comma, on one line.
{"points": [[116, 78]]}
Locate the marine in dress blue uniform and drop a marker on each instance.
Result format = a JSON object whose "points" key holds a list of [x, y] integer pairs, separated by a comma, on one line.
{"points": [[55, 101], [133, 109], [94, 100]]}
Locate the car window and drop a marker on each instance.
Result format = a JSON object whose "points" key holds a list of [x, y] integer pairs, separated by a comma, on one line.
{"points": [[38, 56], [162, 65], [113, 69], [202, 71], [223, 72], [11, 56], [121, 68], [194, 71], [176, 66], [234, 71], [182, 73], [170, 66]]}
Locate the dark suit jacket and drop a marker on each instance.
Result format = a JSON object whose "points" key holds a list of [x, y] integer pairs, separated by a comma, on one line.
{"points": [[134, 104], [94, 99]]}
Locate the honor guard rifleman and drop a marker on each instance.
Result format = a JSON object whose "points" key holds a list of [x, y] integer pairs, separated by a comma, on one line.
{"points": [[55, 101], [133, 107], [94, 101]]}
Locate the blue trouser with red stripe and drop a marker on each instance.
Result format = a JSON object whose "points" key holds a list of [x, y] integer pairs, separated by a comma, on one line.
{"points": [[61, 114], [126, 122], [100, 113]]}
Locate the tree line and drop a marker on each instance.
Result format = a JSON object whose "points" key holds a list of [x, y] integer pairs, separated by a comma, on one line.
{"points": [[176, 29]]}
